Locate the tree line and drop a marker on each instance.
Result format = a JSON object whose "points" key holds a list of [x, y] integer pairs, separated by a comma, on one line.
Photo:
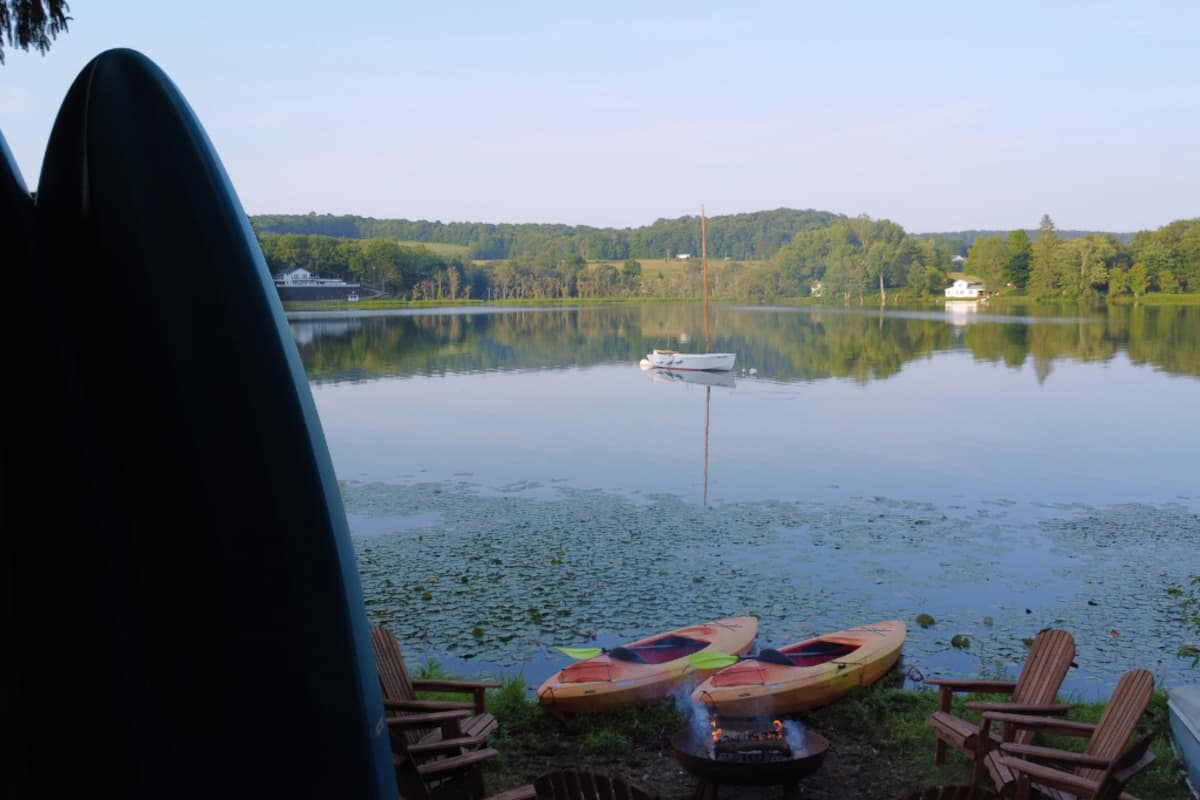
{"points": [[1089, 267], [801, 253], [793, 252], [751, 236]]}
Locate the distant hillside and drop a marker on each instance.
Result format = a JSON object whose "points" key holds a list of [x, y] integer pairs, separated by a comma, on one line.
{"points": [[757, 235], [740, 237], [968, 237]]}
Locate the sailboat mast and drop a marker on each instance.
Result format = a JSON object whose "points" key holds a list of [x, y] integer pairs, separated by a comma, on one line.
{"points": [[707, 403], [704, 261]]}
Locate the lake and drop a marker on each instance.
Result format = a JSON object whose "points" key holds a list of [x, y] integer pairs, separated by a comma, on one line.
{"points": [[515, 482]]}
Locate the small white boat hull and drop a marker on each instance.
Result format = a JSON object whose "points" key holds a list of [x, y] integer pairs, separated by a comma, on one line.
{"points": [[670, 359], [1183, 705]]}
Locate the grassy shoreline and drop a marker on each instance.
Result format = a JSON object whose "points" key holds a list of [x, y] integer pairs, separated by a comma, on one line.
{"points": [[881, 734], [898, 298]]}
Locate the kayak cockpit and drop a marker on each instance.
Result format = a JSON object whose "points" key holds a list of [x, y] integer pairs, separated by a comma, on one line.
{"points": [[658, 651], [809, 654]]}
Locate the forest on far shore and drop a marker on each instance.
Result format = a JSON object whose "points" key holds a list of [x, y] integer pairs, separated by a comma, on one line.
{"points": [[756, 257]]}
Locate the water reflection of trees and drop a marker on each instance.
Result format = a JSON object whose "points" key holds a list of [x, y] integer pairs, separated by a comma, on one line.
{"points": [[1165, 337], [778, 344]]}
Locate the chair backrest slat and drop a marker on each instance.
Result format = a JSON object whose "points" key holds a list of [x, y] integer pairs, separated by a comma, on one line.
{"points": [[394, 679], [583, 785], [1050, 657], [1120, 718], [1131, 762]]}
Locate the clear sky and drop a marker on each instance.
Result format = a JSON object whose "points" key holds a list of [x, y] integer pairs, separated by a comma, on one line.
{"points": [[936, 115]]}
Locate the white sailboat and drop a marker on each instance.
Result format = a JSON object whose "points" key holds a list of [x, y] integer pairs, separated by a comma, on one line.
{"points": [[707, 361]]}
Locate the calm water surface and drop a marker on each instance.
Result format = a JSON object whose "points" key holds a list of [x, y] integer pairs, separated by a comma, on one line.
{"points": [[514, 481]]}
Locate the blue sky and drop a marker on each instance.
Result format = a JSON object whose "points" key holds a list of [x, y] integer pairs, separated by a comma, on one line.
{"points": [[935, 115]]}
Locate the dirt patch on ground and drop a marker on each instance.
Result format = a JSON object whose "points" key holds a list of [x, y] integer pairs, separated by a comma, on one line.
{"points": [[858, 764]]}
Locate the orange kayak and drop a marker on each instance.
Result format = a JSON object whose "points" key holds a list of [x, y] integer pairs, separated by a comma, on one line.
{"points": [[804, 675], [644, 671]]}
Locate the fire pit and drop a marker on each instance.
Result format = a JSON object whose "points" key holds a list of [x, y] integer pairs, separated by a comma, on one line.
{"points": [[749, 753]]}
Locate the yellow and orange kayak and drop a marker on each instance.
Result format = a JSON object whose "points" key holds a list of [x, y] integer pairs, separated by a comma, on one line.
{"points": [[803, 675], [644, 671]]}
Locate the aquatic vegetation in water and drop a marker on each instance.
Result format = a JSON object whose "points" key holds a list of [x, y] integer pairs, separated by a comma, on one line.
{"points": [[501, 579], [1189, 611]]}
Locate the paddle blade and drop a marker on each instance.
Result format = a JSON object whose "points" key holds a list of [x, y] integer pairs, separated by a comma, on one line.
{"points": [[711, 659], [579, 653]]}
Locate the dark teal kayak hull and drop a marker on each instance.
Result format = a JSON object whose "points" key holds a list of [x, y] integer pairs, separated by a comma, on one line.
{"points": [[202, 583]]}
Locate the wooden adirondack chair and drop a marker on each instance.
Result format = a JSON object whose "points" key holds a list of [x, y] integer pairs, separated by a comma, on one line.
{"points": [[453, 775], [953, 792], [1057, 784], [1100, 771], [578, 785], [400, 699], [1033, 692]]}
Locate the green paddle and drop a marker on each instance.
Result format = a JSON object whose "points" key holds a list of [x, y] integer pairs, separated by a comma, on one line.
{"points": [[708, 659], [712, 659], [580, 653]]}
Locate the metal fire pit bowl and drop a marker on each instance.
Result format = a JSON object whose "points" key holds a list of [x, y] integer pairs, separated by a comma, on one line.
{"points": [[694, 756]]}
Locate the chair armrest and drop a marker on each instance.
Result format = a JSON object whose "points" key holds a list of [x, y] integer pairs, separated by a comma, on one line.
{"points": [[1065, 727], [476, 689], [427, 705], [526, 792], [1128, 774], [455, 764], [457, 743], [948, 686], [1038, 753], [973, 685], [1048, 776], [1021, 708], [440, 685], [432, 720]]}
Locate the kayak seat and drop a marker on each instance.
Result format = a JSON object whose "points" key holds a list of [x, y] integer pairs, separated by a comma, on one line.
{"points": [[773, 656], [659, 651], [810, 655], [625, 654]]}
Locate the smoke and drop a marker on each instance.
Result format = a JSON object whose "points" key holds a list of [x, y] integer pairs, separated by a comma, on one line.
{"points": [[699, 721], [696, 716], [794, 733]]}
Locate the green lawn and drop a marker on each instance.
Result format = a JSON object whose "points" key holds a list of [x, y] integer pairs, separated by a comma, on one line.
{"points": [[438, 247]]}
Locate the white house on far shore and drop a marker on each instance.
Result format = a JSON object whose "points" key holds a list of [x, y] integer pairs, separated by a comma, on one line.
{"points": [[966, 290]]}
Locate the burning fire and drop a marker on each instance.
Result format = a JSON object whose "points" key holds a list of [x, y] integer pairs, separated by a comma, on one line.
{"points": [[742, 739], [762, 741], [774, 733]]}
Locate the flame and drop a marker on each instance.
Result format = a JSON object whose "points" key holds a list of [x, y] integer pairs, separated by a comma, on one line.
{"points": [[775, 730]]}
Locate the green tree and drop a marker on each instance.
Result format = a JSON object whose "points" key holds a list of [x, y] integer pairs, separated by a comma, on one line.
{"points": [[1167, 282], [986, 260], [378, 263], [1089, 260], [631, 274], [1044, 269], [31, 23], [1154, 252], [1020, 256], [1118, 281], [1139, 279]]}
